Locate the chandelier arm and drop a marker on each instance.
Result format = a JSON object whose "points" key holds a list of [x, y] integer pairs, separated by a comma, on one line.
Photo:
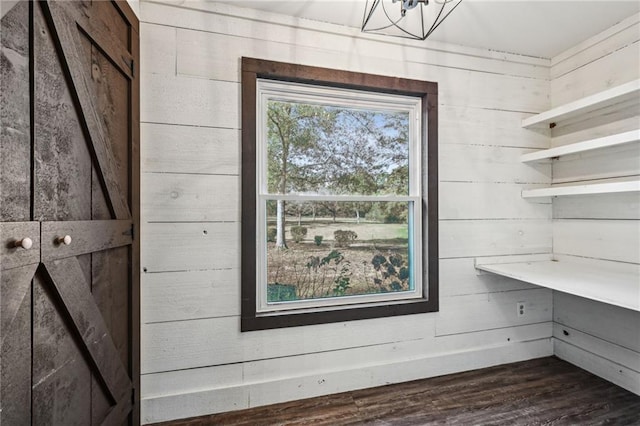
{"points": [[405, 33], [391, 22], [366, 18], [436, 24], [422, 19], [395, 24]]}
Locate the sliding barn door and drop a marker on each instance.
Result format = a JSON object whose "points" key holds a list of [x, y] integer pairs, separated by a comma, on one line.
{"points": [[70, 302]]}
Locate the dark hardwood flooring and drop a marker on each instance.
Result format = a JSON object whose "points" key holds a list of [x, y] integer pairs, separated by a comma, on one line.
{"points": [[545, 391]]}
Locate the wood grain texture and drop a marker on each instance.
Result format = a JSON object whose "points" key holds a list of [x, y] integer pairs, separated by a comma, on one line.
{"points": [[215, 341], [86, 237], [602, 164], [610, 323], [12, 256], [597, 76], [159, 54], [89, 119], [541, 391], [471, 200], [188, 198], [458, 277], [191, 246], [15, 123], [192, 113], [15, 345], [61, 377], [67, 278], [491, 164], [190, 149], [611, 371], [604, 206], [469, 238], [618, 36], [201, 52], [464, 314], [174, 296], [327, 381], [350, 361], [617, 240], [602, 230], [189, 101]]}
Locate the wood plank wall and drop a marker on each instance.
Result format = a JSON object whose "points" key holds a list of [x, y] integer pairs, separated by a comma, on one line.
{"points": [[195, 361], [601, 229]]}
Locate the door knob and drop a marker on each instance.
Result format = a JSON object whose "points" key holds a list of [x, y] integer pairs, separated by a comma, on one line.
{"points": [[25, 243], [66, 240]]}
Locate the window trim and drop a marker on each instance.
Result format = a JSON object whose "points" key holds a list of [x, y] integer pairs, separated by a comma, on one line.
{"points": [[280, 91], [254, 69]]}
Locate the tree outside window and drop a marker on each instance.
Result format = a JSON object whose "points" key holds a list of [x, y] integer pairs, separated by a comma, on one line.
{"points": [[339, 207]]}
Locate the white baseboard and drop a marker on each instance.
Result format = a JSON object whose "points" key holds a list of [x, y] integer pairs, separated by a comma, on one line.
{"points": [[611, 371], [248, 395]]}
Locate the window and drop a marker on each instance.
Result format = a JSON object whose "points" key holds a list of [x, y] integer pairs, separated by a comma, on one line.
{"points": [[339, 195]]}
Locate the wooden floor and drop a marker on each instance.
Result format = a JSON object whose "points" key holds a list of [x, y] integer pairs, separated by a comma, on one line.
{"points": [[545, 391]]}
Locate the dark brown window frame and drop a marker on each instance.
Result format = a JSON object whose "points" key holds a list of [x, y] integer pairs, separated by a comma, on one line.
{"points": [[253, 69]]}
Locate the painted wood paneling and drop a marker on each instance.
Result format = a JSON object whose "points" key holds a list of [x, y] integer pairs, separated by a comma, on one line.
{"points": [[190, 246], [602, 348], [598, 126], [201, 401], [195, 360], [601, 338], [606, 322], [177, 296], [597, 76], [247, 23], [473, 163], [469, 238], [190, 149], [614, 372], [159, 54], [215, 341], [617, 240], [189, 101], [464, 314], [175, 382], [465, 125], [188, 198], [601, 164], [214, 56], [467, 200], [458, 277], [600, 45], [604, 206]]}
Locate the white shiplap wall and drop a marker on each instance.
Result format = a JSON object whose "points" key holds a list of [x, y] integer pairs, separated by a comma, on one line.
{"points": [[598, 229], [194, 359]]}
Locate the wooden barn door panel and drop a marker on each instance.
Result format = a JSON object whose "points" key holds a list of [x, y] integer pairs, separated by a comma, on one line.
{"points": [[15, 149], [17, 268], [69, 165], [17, 265]]}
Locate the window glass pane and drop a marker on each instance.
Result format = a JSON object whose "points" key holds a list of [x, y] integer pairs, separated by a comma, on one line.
{"points": [[330, 150], [336, 249]]}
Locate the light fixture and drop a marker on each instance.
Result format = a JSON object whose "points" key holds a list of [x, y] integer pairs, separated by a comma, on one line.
{"points": [[398, 20]]}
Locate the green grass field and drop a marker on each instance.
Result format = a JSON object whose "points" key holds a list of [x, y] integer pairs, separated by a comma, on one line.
{"points": [[313, 273]]}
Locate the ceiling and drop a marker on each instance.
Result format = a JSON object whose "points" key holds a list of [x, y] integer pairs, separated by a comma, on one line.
{"points": [[539, 28]]}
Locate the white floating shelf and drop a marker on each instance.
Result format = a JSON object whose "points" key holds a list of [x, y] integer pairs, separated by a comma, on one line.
{"points": [[619, 288], [596, 188], [604, 142], [615, 95]]}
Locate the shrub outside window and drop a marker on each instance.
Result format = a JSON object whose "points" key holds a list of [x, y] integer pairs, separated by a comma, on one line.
{"points": [[339, 200]]}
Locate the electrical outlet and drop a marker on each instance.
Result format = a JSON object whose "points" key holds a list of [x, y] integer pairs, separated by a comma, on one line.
{"points": [[520, 307]]}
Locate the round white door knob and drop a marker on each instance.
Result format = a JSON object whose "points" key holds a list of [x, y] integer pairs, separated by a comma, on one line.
{"points": [[25, 243], [66, 240]]}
